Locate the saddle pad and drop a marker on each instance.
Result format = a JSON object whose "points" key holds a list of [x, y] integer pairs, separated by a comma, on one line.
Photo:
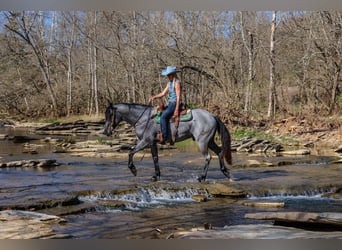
{"points": [[183, 118]]}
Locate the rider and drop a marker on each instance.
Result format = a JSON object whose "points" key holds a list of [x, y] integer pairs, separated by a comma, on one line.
{"points": [[172, 109]]}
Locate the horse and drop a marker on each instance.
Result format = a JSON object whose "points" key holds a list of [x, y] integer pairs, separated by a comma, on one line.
{"points": [[202, 128]]}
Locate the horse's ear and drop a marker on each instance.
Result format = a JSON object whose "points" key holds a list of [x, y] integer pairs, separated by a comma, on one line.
{"points": [[110, 103]]}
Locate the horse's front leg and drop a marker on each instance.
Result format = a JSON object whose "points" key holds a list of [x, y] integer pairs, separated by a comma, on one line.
{"points": [[154, 152], [141, 145]]}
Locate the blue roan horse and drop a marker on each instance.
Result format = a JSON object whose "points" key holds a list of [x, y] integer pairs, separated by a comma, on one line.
{"points": [[201, 128]]}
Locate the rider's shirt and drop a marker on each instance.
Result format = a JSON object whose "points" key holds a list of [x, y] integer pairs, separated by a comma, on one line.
{"points": [[172, 91]]}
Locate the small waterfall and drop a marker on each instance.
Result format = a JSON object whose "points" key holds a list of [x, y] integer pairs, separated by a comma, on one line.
{"points": [[142, 198], [300, 193]]}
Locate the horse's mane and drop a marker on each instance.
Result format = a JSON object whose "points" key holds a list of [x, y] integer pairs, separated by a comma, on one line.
{"points": [[133, 104]]}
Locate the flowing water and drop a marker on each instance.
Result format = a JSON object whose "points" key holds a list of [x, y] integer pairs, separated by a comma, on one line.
{"points": [[118, 205]]}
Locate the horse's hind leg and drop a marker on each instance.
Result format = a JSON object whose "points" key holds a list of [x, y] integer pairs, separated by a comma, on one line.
{"points": [[214, 147], [207, 156]]}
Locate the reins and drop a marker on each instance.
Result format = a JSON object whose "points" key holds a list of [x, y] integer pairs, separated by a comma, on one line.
{"points": [[136, 122]]}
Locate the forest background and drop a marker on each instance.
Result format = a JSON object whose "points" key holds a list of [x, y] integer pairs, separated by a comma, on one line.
{"points": [[243, 66]]}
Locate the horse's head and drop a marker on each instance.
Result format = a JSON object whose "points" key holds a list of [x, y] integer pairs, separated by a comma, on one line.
{"points": [[112, 119]]}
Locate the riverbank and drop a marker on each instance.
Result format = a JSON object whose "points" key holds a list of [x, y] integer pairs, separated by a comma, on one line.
{"points": [[321, 137]]}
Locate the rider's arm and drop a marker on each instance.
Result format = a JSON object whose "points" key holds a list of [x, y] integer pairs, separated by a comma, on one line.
{"points": [[161, 94], [178, 93]]}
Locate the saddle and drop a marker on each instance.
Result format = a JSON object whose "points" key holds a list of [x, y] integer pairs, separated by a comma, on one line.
{"points": [[185, 114]]}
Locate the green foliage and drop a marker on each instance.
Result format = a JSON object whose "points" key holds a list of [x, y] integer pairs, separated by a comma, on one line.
{"points": [[240, 133]]}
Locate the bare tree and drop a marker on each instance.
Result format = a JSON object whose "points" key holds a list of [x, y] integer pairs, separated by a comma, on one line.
{"points": [[249, 46], [25, 25], [272, 90]]}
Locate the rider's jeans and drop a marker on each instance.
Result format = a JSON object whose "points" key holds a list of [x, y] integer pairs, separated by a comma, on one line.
{"points": [[165, 117]]}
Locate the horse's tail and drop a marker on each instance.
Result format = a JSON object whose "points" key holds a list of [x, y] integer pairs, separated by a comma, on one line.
{"points": [[225, 139]]}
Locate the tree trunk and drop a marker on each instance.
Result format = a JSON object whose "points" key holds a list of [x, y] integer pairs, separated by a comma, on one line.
{"points": [[92, 60], [69, 71], [272, 89], [31, 37], [249, 46]]}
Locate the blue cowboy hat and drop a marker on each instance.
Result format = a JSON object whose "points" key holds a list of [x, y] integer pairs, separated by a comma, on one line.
{"points": [[169, 70]]}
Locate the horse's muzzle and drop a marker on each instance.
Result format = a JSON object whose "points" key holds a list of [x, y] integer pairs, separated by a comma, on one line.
{"points": [[107, 130]]}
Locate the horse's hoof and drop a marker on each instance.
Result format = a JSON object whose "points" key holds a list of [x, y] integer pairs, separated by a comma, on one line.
{"points": [[201, 179], [226, 173], [133, 170], [155, 178]]}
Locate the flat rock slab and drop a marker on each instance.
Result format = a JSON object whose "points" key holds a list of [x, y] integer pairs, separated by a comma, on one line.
{"points": [[220, 189], [296, 152], [329, 219], [257, 231], [265, 204], [16, 224]]}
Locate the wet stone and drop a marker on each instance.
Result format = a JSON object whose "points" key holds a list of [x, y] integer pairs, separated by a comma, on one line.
{"points": [[296, 152], [29, 225], [219, 189], [199, 198], [42, 163], [265, 204], [34, 203], [3, 136], [301, 218], [256, 231]]}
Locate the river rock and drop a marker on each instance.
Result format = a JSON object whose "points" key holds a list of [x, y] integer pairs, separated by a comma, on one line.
{"points": [[265, 204], [34, 202], [220, 189], [256, 145], [42, 163], [302, 218], [199, 198], [296, 152], [251, 163], [256, 231], [16, 224], [3, 136], [339, 149], [337, 161], [21, 138]]}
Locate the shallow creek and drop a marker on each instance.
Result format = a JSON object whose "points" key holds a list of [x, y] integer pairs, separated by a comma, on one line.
{"points": [[115, 204]]}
